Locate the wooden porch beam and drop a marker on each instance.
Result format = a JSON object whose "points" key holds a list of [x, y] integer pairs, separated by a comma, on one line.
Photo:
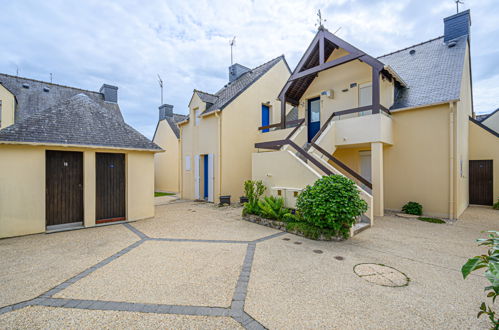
{"points": [[375, 90], [321, 48], [283, 112], [324, 66]]}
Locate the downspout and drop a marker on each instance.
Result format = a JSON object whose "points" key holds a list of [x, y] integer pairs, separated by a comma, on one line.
{"points": [[217, 114], [451, 161]]}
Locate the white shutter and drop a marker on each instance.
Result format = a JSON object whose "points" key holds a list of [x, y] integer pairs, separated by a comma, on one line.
{"points": [[196, 176], [210, 178]]}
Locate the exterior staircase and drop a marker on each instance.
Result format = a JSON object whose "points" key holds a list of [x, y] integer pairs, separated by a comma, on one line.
{"points": [[290, 168]]}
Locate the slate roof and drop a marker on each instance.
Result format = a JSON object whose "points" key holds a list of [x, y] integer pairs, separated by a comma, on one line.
{"points": [[41, 95], [79, 120], [232, 90], [483, 117], [432, 74], [172, 121]]}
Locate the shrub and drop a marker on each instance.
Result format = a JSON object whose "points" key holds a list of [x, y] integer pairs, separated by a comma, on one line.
{"points": [[332, 202], [412, 208], [490, 262], [273, 208], [496, 205], [253, 190]]}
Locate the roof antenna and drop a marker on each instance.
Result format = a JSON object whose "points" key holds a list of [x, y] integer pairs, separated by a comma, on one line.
{"points": [[458, 2], [51, 77], [232, 43], [337, 30], [17, 71], [160, 81], [320, 20]]}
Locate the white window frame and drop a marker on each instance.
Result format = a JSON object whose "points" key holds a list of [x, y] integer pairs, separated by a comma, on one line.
{"points": [[187, 162], [197, 117]]}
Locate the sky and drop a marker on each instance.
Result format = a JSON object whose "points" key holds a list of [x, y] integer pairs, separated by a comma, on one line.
{"points": [[128, 43]]}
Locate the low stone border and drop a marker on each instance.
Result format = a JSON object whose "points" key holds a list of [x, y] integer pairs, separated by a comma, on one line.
{"points": [[279, 225]]}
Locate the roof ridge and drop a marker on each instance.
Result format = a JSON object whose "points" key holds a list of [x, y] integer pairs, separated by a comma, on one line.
{"points": [[200, 91], [418, 44], [48, 83], [280, 56]]}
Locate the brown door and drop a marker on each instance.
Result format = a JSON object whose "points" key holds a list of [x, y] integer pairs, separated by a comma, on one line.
{"points": [[110, 187], [64, 187], [481, 182]]}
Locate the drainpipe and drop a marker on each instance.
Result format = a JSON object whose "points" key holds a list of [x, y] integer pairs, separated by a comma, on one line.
{"points": [[451, 161], [180, 167], [217, 114]]}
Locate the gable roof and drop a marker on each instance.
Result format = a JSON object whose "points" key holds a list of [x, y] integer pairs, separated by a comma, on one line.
{"points": [[229, 92], [172, 122], [77, 121], [483, 117], [488, 129], [41, 95], [433, 73]]}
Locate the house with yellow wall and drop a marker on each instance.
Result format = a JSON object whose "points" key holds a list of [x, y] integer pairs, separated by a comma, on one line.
{"points": [[490, 120], [68, 159], [218, 136], [167, 136], [400, 125]]}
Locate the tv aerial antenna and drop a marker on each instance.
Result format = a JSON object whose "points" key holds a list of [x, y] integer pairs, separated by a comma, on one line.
{"points": [[232, 44], [160, 81], [458, 2]]}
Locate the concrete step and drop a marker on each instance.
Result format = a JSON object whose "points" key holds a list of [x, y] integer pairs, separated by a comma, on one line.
{"points": [[360, 227]]}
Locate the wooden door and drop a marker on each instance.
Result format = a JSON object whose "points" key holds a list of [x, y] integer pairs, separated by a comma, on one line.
{"points": [[64, 187], [110, 187], [481, 189]]}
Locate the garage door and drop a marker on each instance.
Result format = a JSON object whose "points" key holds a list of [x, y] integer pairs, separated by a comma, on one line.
{"points": [[110, 187], [64, 188]]}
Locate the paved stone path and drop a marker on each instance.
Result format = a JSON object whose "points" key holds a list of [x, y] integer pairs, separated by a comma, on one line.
{"points": [[236, 310]]}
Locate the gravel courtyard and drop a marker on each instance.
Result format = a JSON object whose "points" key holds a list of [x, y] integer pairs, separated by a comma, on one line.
{"points": [[199, 266]]}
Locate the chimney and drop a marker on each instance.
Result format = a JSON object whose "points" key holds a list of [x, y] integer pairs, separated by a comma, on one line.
{"points": [[110, 93], [236, 70], [457, 25], [165, 110]]}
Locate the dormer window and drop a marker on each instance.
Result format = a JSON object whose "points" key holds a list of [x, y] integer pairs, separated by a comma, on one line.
{"points": [[197, 118]]}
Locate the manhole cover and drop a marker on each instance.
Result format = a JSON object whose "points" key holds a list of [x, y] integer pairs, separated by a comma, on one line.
{"points": [[318, 251], [381, 275], [285, 239], [297, 243], [339, 258]]}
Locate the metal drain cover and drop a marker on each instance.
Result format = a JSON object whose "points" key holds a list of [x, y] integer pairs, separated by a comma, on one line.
{"points": [[381, 275]]}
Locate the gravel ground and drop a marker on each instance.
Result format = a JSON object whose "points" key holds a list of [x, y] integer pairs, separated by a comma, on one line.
{"points": [[205, 221], [64, 318], [31, 265], [197, 274], [327, 294]]}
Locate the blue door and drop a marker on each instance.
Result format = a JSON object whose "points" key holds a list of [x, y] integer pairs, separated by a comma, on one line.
{"points": [[265, 117], [314, 117], [205, 174]]}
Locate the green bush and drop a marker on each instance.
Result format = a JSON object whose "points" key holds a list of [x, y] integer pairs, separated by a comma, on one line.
{"points": [[273, 208], [253, 190], [489, 261], [310, 231], [496, 205], [412, 208], [332, 202]]}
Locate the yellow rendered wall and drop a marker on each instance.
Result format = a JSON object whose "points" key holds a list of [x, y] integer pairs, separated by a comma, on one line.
{"points": [[140, 185], [8, 107], [22, 190], [166, 163], [416, 166], [198, 140], [461, 164], [492, 122], [338, 79], [240, 122], [22, 187], [483, 146]]}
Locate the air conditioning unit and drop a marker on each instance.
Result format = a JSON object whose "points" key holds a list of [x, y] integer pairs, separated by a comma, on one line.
{"points": [[328, 93]]}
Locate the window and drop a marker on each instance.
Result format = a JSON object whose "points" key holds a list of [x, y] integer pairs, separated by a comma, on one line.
{"points": [[196, 117], [187, 163], [365, 97]]}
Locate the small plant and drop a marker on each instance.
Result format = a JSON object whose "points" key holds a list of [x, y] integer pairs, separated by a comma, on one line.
{"points": [[496, 205], [490, 261], [432, 220], [333, 203], [412, 208], [273, 208], [253, 191]]}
